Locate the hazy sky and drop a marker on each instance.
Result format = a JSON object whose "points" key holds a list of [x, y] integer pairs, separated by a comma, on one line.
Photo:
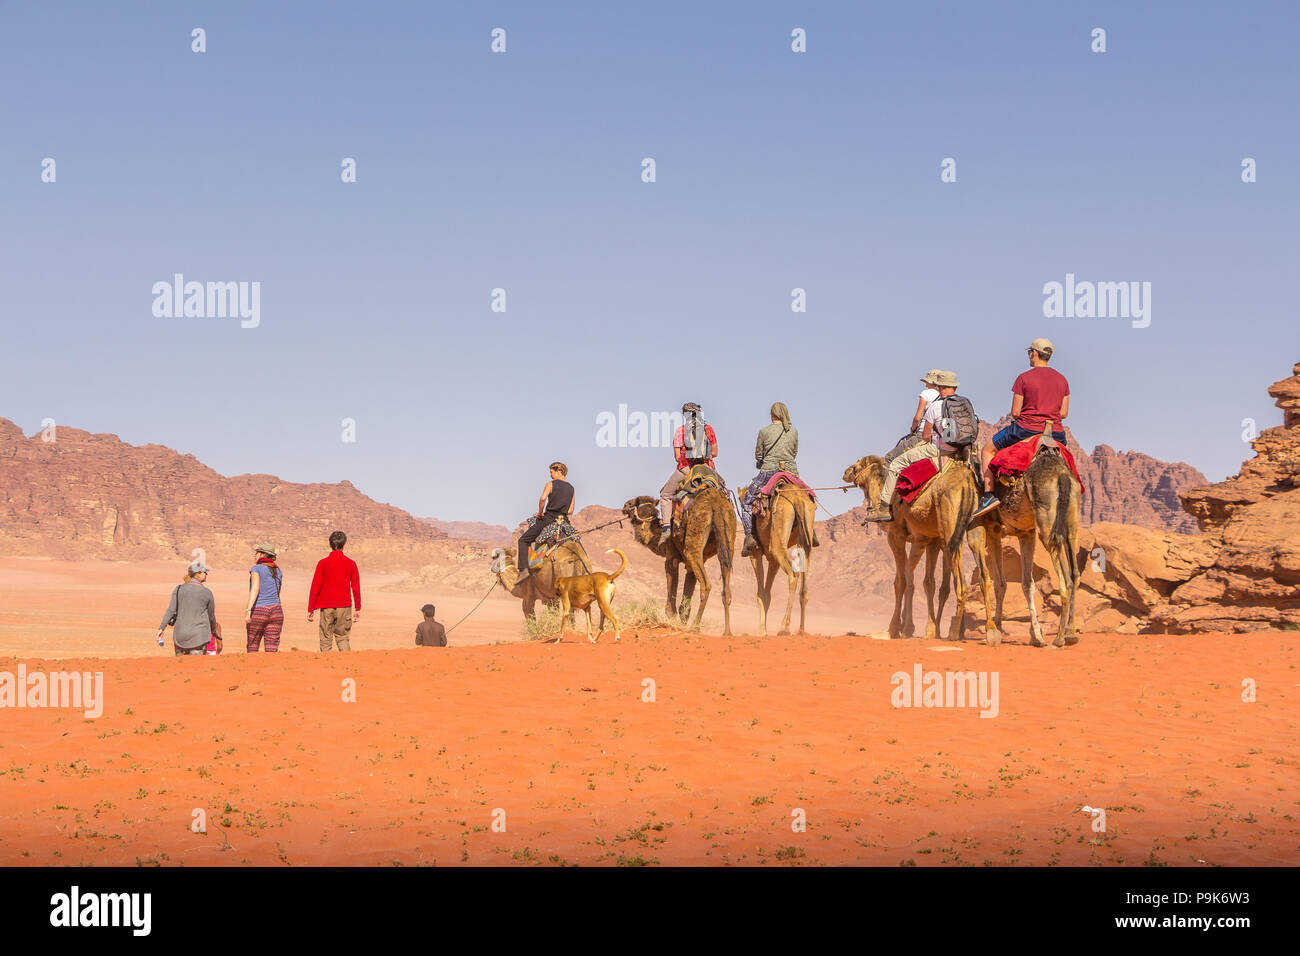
{"points": [[775, 170]]}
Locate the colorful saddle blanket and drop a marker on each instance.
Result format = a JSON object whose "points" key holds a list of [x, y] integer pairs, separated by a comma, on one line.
{"points": [[554, 534], [785, 476], [1014, 459], [913, 479]]}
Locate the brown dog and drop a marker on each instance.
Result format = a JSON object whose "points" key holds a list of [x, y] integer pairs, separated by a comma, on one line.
{"points": [[577, 593]]}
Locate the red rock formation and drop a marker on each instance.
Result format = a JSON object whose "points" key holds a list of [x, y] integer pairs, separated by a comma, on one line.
{"points": [[87, 496]]}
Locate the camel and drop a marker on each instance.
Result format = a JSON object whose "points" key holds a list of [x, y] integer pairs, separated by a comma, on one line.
{"points": [[786, 522], [1044, 503], [934, 521], [708, 528], [568, 560]]}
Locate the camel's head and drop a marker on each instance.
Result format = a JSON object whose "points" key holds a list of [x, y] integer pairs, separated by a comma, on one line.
{"points": [[868, 473], [643, 510], [504, 568]]}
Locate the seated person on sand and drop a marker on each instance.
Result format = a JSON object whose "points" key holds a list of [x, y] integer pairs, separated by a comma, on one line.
{"points": [[429, 633], [913, 437], [932, 446], [775, 450], [694, 443], [1039, 396], [555, 503]]}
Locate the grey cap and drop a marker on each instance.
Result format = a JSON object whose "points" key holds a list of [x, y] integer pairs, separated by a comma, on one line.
{"points": [[198, 567]]}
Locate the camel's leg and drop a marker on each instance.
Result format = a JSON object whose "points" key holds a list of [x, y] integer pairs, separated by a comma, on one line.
{"points": [[1067, 573], [782, 528], [994, 538], [764, 598], [803, 578], [769, 576], [1027, 583], [932, 618], [953, 556], [670, 572], [688, 593], [978, 542], [565, 611], [726, 594], [898, 545], [696, 564], [913, 559], [530, 604]]}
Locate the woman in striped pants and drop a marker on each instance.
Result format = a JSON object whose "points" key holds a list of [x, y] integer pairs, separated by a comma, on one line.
{"points": [[264, 617]]}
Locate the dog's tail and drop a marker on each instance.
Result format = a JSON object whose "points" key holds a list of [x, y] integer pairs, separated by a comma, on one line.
{"points": [[622, 562]]}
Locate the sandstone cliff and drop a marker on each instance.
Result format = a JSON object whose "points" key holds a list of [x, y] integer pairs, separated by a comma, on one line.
{"points": [[87, 496]]}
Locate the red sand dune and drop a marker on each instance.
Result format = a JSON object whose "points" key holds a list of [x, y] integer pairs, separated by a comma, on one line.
{"points": [[743, 732]]}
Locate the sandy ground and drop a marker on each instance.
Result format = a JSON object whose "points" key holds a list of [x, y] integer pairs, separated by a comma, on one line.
{"points": [[557, 746]]}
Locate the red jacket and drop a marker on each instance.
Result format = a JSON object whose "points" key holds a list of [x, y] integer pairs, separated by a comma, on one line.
{"points": [[336, 573]]}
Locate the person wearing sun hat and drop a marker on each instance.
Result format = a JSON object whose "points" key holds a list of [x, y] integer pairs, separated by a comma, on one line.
{"points": [[932, 445], [264, 617], [191, 613], [913, 437], [1040, 400]]}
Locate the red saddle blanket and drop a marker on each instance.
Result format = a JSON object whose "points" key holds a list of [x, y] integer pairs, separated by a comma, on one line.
{"points": [[1014, 459], [786, 476], [913, 479]]}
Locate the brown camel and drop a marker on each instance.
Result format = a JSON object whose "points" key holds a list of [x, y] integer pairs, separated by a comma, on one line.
{"points": [[568, 560], [933, 522], [708, 528], [786, 523], [1043, 503]]}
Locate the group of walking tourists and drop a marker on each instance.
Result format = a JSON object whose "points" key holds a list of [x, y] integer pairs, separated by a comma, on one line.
{"points": [[943, 426]]}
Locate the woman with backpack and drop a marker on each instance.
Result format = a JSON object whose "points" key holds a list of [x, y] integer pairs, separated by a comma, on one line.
{"points": [[775, 450], [694, 443], [264, 617]]}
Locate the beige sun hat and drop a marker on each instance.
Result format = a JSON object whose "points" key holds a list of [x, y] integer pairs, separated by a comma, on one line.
{"points": [[928, 377], [266, 547], [946, 379], [1042, 345]]}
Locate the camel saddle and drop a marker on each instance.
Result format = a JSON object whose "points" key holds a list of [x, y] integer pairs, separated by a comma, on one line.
{"points": [[555, 534], [698, 478], [1013, 461], [913, 479], [779, 480]]}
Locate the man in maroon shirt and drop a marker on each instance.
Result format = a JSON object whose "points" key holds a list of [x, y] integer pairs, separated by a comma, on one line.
{"points": [[335, 591], [1040, 398]]}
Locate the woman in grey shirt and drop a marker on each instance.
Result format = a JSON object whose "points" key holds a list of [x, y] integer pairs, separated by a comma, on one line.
{"points": [[192, 612], [776, 450]]}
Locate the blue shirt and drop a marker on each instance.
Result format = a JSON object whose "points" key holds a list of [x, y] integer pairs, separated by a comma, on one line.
{"points": [[269, 593]]}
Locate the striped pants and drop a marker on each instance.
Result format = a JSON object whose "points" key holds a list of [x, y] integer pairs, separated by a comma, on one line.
{"points": [[265, 622]]}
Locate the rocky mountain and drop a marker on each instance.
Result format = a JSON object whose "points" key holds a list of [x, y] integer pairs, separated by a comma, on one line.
{"points": [[84, 496], [470, 530], [1243, 572]]}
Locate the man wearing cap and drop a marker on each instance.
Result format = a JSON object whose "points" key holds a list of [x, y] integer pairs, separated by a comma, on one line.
{"points": [[931, 446], [1040, 400], [335, 591], [192, 613], [913, 437]]}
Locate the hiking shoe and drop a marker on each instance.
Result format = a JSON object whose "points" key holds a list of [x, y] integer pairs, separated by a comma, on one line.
{"points": [[878, 514], [816, 543], [987, 504], [750, 546], [664, 535]]}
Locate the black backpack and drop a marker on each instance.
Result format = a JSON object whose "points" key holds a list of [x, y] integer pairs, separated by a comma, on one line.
{"points": [[959, 426]]}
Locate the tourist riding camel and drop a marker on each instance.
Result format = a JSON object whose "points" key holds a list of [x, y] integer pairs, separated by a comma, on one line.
{"points": [[913, 437], [693, 444], [775, 450], [1040, 400], [556, 503], [937, 443]]}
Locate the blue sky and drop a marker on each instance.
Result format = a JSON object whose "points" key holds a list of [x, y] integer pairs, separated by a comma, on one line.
{"points": [[522, 170]]}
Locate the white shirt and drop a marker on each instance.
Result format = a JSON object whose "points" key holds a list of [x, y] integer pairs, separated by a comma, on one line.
{"points": [[934, 415], [928, 395]]}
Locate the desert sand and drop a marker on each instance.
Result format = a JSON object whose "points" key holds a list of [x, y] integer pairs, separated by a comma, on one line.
{"points": [[556, 743]]}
